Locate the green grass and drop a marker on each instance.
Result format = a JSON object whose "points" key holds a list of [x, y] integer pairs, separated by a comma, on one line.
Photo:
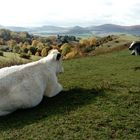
{"points": [[100, 101]]}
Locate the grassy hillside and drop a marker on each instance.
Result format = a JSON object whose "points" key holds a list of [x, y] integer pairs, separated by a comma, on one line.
{"points": [[71, 46], [9, 56], [101, 100]]}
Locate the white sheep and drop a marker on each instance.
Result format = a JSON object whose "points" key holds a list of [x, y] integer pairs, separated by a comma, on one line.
{"points": [[25, 85]]}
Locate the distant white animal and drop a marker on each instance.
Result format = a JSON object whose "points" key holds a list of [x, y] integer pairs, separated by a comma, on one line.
{"points": [[135, 48], [25, 85]]}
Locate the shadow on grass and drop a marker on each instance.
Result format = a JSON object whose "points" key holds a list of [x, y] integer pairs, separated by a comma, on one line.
{"points": [[61, 104], [136, 68]]}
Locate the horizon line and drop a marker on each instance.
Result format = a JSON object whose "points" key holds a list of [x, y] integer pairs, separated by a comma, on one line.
{"points": [[66, 26]]}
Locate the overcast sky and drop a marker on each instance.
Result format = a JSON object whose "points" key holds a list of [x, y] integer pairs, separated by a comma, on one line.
{"points": [[69, 12]]}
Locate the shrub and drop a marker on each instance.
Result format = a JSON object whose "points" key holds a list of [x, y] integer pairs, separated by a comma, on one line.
{"points": [[65, 48], [37, 54], [4, 48], [88, 49], [116, 41], [33, 50], [70, 55], [16, 49], [29, 52], [24, 55], [44, 52], [24, 50], [84, 42], [1, 53]]}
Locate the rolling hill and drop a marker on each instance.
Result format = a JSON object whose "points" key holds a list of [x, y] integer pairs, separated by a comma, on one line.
{"points": [[78, 30], [112, 28]]}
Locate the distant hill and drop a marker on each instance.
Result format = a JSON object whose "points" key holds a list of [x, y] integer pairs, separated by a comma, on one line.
{"points": [[112, 28], [41, 30], [78, 30], [48, 30], [17, 29], [101, 30]]}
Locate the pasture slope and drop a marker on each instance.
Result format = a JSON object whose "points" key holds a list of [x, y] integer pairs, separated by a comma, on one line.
{"points": [[100, 101]]}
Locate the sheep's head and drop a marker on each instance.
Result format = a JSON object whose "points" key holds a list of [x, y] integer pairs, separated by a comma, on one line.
{"points": [[54, 54], [55, 58]]}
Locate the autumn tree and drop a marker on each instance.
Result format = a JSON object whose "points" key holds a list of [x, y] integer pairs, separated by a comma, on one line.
{"points": [[84, 42], [34, 43], [92, 42], [11, 43], [44, 52], [2, 42], [65, 48], [16, 49]]}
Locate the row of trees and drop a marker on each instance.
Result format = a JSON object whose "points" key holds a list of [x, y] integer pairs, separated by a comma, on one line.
{"points": [[24, 43]]}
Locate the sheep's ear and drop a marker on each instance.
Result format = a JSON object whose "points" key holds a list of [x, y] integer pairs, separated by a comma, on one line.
{"points": [[58, 56]]}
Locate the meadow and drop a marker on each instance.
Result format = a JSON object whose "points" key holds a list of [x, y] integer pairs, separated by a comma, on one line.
{"points": [[100, 101]]}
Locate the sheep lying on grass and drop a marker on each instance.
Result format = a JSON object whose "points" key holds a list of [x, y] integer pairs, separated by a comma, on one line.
{"points": [[25, 85]]}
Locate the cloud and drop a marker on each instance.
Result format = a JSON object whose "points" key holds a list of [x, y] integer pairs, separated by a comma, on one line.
{"points": [[69, 12]]}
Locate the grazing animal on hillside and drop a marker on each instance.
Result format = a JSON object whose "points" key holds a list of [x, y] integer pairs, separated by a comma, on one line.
{"points": [[25, 85], [135, 48]]}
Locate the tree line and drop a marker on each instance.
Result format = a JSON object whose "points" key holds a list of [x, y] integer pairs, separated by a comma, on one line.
{"points": [[27, 44]]}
